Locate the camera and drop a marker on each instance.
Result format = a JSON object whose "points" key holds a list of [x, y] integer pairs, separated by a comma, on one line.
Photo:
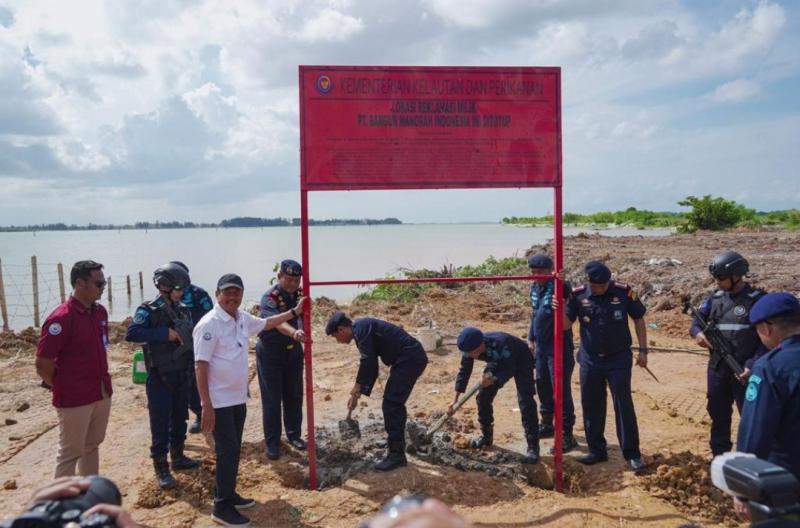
{"points": [[67, 512], [397, 503], [772, 492]]}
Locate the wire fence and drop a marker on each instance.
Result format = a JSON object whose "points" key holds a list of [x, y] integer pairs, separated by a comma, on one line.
{"points": [[30, 291]]}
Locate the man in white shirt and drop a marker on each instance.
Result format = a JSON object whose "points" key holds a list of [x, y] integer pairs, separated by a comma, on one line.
{"points": [[221, 342]]}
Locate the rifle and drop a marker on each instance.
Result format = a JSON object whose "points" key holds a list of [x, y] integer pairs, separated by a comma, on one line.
{"points": [[719, 344], [183, 326]]}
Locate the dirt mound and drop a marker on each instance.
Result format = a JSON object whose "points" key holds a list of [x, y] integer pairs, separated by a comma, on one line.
{"points": [[22, 342], [683, 480]]}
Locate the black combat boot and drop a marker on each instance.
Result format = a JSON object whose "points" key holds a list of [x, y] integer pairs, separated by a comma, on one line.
{"points": [[546, 426], [181, 461], [568, 443], [532, 454], [486, 439], [395, 457], [163, 476]]}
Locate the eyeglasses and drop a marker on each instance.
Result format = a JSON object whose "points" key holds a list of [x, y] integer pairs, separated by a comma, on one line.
{"points": [[100, 284]]}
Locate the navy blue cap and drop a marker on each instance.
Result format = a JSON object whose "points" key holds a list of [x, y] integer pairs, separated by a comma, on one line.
{"points": [[291, 267], [230, 280], [772, 305], [540, 260], [469, 339], [334, 321], [597, 272]]}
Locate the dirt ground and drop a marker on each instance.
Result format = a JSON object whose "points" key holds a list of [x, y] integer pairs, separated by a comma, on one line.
{"points": [[492, 488]]}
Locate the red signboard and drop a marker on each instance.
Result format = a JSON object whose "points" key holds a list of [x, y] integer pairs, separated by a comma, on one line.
{"points": [[375, 127]]}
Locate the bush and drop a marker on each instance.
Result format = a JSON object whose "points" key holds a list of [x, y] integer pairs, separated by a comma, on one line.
{"points": [[715, 214]]}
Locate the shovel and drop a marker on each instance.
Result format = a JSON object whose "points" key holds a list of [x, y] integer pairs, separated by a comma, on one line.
{"points": [[348, 428], [467, 395]]}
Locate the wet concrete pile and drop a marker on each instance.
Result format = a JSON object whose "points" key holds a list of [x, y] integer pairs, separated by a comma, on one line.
{"points": [[341, 458]]}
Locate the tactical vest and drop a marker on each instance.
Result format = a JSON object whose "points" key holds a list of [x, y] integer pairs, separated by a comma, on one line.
{"points": [[731, 316], [168, 356]]}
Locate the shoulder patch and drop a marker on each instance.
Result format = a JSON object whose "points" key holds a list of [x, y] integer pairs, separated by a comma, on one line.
{"points": [[54, 329], [140, 316], [752, 387], [207, 336]]}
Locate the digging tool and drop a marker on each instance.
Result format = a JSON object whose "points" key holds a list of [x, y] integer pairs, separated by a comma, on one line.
{"points": [[467, 395], [651, 373], [348, 428]]}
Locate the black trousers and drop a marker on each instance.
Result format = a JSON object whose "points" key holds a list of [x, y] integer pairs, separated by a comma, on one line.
{"points": [[402, 377], [280, 377], [523, 379], [228, 427], [167, 408], [723, 391]]}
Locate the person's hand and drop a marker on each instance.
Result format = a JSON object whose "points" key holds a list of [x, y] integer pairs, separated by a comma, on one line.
{"points": [[488, 379], [701, 340], [122, 519], [208, 419], [60, 488], [451, 409], [741, 508], [641, 358], [430, 514], [555, 303], [560, 274], [300, 305], [174, 336], [744, 375], [299, 335], [352, 402]]}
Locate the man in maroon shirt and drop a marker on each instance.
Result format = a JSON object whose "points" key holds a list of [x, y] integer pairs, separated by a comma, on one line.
{"points": [[72, 360]]}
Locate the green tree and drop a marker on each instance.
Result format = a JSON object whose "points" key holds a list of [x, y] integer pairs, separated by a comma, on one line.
{"points": [[715, 213]]}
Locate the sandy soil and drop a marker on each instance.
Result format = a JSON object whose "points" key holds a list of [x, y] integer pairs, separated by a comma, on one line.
{"points": [[491, 488]]}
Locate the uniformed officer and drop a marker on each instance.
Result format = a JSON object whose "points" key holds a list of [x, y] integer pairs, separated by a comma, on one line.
{"points": [[728, 307], [406, 360], [602, 307], [540, 342], [199, 303], [279, 360], [770, 425], [165, 326], [506, 357]]}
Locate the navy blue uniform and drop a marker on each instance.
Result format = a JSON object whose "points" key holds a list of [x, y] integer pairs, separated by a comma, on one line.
{"points": [[506, 357], [730, 312], [541, 333], [199, 303], [605, 358], [279, 360], [406, 360], [167, 372], [770, 426]]}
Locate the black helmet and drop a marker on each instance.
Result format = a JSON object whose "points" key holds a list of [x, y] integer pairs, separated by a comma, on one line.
{"points": [[171, 276], [728, 264], [181, 264]]}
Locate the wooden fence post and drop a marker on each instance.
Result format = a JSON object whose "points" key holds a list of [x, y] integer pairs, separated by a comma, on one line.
{"points": [[141, 286], [3, 306], [61, 282], [35, 283], [128, 284], [108, 285]]}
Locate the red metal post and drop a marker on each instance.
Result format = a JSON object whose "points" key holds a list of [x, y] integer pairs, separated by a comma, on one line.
{"points": [[312, 441]]}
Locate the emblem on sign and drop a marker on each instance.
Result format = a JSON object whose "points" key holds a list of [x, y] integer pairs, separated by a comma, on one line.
{"points": [[324, 84]]}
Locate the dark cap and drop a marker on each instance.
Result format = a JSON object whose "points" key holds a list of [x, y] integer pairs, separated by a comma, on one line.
{"points": [[597, 272], [540, 260], [334, 321], [230, 280], [772, 305], [291, 267], [469, 339]]}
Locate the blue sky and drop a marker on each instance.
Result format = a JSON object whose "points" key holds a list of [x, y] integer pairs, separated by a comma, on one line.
{"points": [[112, 112]]}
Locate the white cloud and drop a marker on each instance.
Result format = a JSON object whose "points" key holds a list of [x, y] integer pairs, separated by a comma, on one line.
{"points": [[330, 25], [735, 91]]}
